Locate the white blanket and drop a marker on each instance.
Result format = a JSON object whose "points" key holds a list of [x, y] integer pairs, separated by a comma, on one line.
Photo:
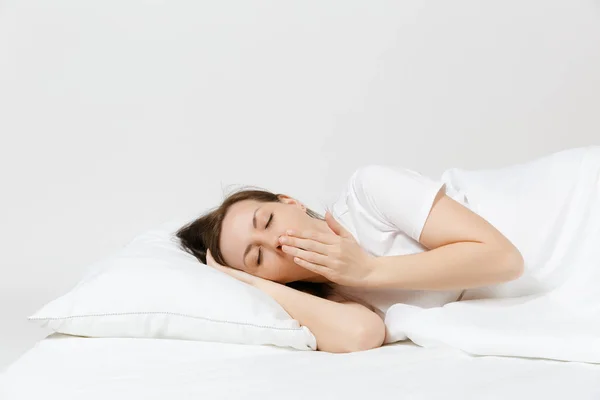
{"points": [[550, 208], [73, 368]]}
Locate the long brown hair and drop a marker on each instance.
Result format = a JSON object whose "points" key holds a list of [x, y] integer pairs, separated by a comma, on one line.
{"points": [[204, 233]]}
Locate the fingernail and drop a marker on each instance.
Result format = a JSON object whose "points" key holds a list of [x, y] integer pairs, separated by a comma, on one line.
{"points": [[282, 239], [290, 232]]}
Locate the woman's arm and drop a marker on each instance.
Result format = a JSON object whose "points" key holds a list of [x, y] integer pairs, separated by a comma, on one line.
{"points": [[465, 252], [339, 327], [455, 266]]}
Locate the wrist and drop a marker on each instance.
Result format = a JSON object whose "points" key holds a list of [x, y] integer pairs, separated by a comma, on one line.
{"points": [[376, 278]]}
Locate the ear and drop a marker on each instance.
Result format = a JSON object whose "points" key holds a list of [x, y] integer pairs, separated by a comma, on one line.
{"points": [[284, 198]]}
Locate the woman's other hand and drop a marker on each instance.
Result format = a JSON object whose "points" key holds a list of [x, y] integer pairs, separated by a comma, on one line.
{"points": [[339, 327], [236, 273], [336, 256]]}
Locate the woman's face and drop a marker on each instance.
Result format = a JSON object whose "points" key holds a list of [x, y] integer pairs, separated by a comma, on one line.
{"points": [[250, 238]]}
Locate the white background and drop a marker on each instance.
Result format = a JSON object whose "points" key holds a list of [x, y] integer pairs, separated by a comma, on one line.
{"points": [[118, 115]]}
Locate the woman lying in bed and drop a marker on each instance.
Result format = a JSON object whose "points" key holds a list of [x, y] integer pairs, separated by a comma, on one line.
{"points": [[394, 236]]}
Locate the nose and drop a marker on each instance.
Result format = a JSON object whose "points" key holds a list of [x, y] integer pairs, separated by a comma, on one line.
{"points": [[276, 243], [271, 240]]}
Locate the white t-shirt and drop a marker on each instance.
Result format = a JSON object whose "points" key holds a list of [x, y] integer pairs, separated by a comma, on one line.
{"points": [[385, 209], [540, 205]]}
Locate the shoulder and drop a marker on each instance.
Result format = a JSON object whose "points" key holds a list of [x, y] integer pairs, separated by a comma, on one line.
{"points": [[369, 172], [375, 172], [396, 196], [374, 178]]}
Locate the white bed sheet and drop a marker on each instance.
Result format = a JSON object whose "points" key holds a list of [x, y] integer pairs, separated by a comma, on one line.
{"points": [[65, 367]]}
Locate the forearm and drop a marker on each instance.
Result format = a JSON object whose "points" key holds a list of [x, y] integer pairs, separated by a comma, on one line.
{"points": [[456, 266], [338, 327]]}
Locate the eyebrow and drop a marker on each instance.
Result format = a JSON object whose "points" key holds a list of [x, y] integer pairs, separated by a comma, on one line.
{"points": [[250, 246]]}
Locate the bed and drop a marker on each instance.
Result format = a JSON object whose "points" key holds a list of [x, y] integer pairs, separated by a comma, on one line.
{"points": [[69, 367]]}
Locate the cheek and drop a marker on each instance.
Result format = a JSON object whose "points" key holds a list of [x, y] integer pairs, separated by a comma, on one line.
{"points": [[294, 272], [279, 270]]}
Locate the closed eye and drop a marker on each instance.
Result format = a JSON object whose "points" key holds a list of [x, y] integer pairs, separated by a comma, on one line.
{"points": [[259, 250], [269, 221]]}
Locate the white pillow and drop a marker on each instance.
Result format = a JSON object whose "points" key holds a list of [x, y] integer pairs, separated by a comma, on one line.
{"points": [[153, 289]]}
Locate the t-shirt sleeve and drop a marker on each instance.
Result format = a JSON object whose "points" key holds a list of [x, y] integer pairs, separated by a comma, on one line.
{"points": [[398, 197]]}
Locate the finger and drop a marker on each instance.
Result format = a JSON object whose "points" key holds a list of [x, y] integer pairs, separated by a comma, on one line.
{"points": [[335, 226], [209, 255], [220, 268], [227, 270], [305, 255], [316, 268], [305, 244], [325, 238], [234, 273], [210, 261]]}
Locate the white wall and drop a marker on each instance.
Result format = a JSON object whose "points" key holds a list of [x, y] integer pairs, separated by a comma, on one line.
{"points": [[118, 115]]}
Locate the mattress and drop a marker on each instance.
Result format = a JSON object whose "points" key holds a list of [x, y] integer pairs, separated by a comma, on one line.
{"points": [[66, 367]]}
